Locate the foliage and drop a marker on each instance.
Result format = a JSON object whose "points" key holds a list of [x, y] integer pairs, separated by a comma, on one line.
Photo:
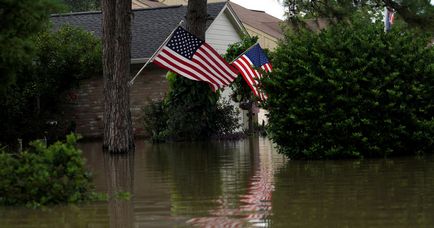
{"points": [[418, 13], [352, 91], [21, 20], [155, 120], [82, 5], [61, 59], [45, 175], [65, 57], [191, 111], [192, 105]]}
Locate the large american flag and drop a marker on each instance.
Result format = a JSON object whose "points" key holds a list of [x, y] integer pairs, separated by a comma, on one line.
{"points": [[248, 63], [192, 58]]}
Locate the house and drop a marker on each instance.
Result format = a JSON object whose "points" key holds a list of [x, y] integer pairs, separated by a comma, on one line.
{"points": [[150, 27], [257, 23], [138, 4]]}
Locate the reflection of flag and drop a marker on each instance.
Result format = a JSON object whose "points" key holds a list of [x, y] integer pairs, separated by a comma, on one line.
{"points": [[389, 17], [247, 63], [192, 58]]}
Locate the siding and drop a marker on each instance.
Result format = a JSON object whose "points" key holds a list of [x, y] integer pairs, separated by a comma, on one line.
{"points": [[221, 33], [265, 40]]}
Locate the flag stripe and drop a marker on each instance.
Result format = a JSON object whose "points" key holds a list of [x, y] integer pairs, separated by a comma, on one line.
{"points": [[248, 63], [177, 69], [230, 72], [206, 60], [162, 62], [246, 76], [209, 67], [192, 64], [227, 67], [167, 56], [173, 57], [255, 74]]}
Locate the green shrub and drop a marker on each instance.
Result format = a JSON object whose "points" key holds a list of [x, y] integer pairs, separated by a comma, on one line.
{"points": [[189, 112], [155, 120], [352, 91], [45, 175]]}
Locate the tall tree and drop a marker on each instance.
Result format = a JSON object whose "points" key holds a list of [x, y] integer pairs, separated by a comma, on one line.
{"points": [[196, 17], [116, 23], [20, 20]]}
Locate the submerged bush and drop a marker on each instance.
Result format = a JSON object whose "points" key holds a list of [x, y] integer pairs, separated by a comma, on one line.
{"points": [[45, 175], [352, 91], [164, 122]]}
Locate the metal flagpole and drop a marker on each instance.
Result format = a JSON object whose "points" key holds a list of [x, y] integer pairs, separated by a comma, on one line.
{"points": [[130, 83], [244, 52]]}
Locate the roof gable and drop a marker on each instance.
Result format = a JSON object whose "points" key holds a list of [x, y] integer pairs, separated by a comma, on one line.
{"points": [[149, 28], [259, 20]]}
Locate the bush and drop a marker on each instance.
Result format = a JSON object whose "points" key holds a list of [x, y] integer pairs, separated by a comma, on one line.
{"points": [[185, 116], [352, 91], [45, 175], [155, 120]]}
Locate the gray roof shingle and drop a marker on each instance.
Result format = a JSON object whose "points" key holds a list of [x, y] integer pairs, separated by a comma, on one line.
{"points": [[150, 26]]}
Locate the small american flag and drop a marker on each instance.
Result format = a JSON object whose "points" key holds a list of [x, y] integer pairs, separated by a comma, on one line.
{"points": [[247, 64], [389, 17], [189, 56]]}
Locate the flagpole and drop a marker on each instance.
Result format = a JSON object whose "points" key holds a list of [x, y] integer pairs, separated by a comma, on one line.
{"points": [[244, 52], [130, 83]]}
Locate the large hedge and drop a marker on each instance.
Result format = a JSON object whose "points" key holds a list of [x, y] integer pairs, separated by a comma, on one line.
{"points": [[352, 91]]}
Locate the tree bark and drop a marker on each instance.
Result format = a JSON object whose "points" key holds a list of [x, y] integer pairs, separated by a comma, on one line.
{"points": [[196, 17], [116, 23]]}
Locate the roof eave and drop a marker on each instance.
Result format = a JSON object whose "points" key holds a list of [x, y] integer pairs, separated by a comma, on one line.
{"points": [[236, 19]]}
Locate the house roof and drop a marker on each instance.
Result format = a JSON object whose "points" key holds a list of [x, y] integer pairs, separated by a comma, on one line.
{"points": [[149, 28], [259, 20]]}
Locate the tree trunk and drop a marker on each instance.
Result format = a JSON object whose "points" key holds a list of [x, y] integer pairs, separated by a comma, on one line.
{"points": [[116, 23], [196, 17]]}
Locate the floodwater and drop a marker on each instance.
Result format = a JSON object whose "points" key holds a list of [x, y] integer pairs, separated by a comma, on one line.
{"points": [[242, 184]]}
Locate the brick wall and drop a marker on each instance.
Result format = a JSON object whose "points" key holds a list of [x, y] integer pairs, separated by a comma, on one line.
{"points": [[85, 105]]}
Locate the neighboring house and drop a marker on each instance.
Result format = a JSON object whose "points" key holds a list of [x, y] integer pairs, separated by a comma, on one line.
{"points": [[261, 24], [138, 4], [150, 27]]}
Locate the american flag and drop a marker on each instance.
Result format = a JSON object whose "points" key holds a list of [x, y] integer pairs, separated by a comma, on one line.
{"points": [[389, 17], [247, 64], [189, 56]]}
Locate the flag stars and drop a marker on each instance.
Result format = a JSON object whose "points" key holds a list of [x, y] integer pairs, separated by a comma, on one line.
{"points": [[184, 43]]}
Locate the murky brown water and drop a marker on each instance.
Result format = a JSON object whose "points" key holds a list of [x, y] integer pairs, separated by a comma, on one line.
{"points": [[243, 184]]}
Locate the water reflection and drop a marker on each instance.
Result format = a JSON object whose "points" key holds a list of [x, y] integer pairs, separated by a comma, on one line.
{"points": [[119, 173], [250, 203]]}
